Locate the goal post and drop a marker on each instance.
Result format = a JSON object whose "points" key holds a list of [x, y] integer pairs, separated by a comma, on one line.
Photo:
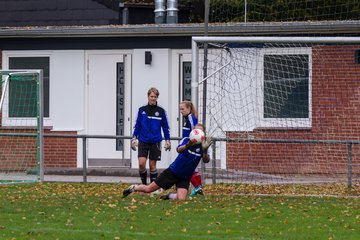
{"points": [[281, 109], [21, 129]]}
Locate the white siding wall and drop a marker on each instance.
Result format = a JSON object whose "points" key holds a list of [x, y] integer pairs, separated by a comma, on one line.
{"points": [[67, 90], [155, 75]]}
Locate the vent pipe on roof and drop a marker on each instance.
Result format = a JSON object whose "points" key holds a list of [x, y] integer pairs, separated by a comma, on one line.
{"points": [[172, 11], [123, 13], [159, 11]]}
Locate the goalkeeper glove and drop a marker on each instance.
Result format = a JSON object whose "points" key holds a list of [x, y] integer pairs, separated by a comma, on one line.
{"points": [[207, 143], [167, 145], [134, 144]]}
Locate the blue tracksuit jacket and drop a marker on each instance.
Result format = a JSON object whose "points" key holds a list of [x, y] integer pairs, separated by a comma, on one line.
{"points": [[150, 120]]}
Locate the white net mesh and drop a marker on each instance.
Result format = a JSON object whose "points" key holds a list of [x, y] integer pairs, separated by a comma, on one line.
{"points": [[19, 130], [282, 112]]}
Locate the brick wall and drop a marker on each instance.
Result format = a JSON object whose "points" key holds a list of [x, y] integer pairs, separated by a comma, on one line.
{"points": [[335, 116], [60, 152], [20, 152]]}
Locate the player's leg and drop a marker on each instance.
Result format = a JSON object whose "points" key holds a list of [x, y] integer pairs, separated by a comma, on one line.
{"points": [[141, 188], [154, 156], [142, 170], [182, 188], [143, 152], [197, 183], [153, 170], [181, 194], [146, 188], [165, 180]]}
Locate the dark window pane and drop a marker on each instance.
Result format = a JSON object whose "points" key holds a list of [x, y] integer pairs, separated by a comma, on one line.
{"points": [[286, 86], [28, 63]]}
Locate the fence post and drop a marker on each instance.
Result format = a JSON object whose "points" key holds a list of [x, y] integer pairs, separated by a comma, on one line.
{"points": [[84, 159], [349, 165], [213, 148]]}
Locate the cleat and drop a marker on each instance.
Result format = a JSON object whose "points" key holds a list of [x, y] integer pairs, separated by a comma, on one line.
{"points": [[128, 190], [200, 191], [196, 191]]}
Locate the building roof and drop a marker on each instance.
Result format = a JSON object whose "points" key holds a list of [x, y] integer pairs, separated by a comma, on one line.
{"points": [[348, 28]]}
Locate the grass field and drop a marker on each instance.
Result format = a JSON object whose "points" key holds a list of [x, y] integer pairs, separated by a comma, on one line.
{"points": [[98, 211]]}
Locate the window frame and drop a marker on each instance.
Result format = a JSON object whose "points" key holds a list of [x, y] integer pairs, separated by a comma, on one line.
{"points": [[25, 121], [283, 122]]}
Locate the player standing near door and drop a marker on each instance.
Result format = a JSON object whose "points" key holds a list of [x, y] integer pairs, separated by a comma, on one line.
{"points": [[151, 119]]}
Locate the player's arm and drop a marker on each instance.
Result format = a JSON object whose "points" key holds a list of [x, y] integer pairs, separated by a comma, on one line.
{"points": [[184, 144], [165, 126], [137, 126], [166, 131], [206, 149]]}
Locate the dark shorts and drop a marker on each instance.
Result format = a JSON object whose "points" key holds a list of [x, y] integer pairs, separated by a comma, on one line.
{"points": [[150, 150], [167, 179]]}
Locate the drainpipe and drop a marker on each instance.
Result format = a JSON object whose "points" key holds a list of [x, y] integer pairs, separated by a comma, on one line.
{"points": [[172, 11], [159, 11]]}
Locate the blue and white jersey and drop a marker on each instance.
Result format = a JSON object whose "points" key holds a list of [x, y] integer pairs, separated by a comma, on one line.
{"points": [[150, 119], [189, 123], [187, 161]]}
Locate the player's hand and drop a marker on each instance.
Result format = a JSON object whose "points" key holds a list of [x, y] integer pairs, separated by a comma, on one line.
{"points": [[167, 145], [207, 143], [134, 144], [189, 144]]}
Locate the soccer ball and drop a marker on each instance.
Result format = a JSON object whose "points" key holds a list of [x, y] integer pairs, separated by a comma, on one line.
{"points": [[197, 136]]}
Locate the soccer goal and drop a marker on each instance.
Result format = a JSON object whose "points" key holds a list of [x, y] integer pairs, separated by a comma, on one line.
{"points": [[21, 130], [282, 109]]}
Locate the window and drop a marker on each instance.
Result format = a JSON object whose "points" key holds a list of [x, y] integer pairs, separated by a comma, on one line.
{"points": [[286, 82], [29, 63]]}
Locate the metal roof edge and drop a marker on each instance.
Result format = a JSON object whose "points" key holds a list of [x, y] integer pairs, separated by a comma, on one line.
{"points": [[230, 29]]}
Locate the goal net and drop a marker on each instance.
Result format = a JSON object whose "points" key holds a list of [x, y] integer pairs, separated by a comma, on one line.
{"points": [[282, 109], [21, 131]]}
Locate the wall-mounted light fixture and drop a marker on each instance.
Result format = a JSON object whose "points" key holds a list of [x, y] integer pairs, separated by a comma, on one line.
{"points": [[148, 57]]}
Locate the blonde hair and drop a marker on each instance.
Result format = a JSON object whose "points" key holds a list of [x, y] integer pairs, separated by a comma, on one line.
{"points": [[154, 90], [189, 104]]}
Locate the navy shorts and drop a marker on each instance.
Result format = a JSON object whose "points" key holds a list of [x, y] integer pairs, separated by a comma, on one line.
{"points": [[150, 150], [167, 179]]}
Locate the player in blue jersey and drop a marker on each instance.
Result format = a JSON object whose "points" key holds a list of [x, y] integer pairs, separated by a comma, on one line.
{"points": [[180, 171], [147, 137], [188, 111]]}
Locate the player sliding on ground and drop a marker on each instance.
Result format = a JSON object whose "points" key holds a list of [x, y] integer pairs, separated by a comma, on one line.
{"points": [[180, 171]]}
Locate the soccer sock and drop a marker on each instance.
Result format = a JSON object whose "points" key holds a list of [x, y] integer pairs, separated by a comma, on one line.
{"points": [[153, 175], [143, 176], [196, 179], [172, 196]]}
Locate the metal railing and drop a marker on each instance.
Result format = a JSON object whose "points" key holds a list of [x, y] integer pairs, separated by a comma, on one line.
{"points": [[84, 138]]}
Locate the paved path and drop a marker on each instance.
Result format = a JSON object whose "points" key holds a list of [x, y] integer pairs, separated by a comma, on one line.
{"points": [[91, 179]]}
